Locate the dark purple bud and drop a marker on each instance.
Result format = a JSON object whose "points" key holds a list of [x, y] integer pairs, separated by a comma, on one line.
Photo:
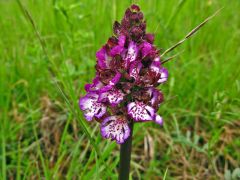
{"points": [[135, 7], [149, 38], [143, 26], [140, 15], [112, 41], [128, 13], [126, 24], [116, 28], [134, 17], [136, 33], [146, 61]]}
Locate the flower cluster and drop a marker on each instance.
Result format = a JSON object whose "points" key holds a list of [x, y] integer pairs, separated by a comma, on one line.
{"points": [[128, 70]]}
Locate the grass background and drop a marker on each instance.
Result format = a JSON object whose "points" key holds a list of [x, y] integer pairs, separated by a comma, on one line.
{"points": [[43, 134]]}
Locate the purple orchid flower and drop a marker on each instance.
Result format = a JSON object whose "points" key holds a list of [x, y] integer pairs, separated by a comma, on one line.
{"points": [[128, 71], [91, 107], [116, 128]]}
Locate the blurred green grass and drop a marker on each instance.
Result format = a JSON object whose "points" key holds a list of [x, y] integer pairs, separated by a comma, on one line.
{"points": [[43, 133]]}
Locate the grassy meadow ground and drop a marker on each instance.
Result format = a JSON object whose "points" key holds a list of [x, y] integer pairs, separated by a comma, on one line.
{"points": [[43, 134]]}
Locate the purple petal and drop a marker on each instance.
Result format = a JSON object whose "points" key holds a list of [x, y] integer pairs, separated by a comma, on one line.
{"points": [[105, 88], [95, 86], [120, 47], [121, 40], [103, 59], [116, 50], [101, 56], [134, 70], [163, 75], [155, 66], [158, 69], [132, 52], [115, 79], [156, 96], [116, 128], [146, 48], [159, 120], [140, 111], [114, 96], [149, 38], [89, 105], [98, 86]]}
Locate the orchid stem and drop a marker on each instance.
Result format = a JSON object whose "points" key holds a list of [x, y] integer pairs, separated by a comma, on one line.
{"points": [[125, 156]]}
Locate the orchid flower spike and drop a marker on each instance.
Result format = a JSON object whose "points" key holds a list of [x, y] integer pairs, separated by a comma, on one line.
{"points": [[128, 70]]}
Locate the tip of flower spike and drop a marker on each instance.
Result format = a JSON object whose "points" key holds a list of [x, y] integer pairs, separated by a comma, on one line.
{"points": [[128, 70], [135, 7], [149, 37], [132, 24]]}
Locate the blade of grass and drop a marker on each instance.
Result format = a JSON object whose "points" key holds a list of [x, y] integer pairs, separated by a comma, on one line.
{"points": [[191, 33], [42, 43], [3, 125], [29, 17], [3, 155], [39, 150], [19, 156], [62, 93], [175, 12], [172, 57], [165, 174]]}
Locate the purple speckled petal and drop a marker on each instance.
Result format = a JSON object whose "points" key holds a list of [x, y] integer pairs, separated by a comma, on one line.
{"points": [[163, 75], [156, 96], [155, 66], [132, 52], [146, 48], [140, 111], [89, 105], [113, 96], [158, 69], [115, 79], [134, 70], [103, 59], [159, 120], [115, 128]]}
